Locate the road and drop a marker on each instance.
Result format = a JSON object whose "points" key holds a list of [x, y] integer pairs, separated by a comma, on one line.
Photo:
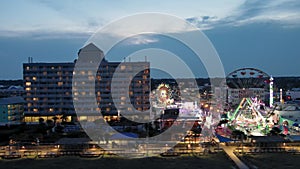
{"points": [[229, 151]]}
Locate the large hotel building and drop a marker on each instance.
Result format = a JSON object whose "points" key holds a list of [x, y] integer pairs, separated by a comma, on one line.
{"points": [[48, 88]]}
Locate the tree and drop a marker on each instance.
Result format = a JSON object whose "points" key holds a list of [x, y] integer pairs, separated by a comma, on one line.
{"points": [[42, 128]]}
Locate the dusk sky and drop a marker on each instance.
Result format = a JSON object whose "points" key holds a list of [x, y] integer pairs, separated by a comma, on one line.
{"points": [[263, 34]]}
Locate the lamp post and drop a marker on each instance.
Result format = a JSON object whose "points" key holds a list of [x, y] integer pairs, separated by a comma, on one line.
{"points": [[281, 99], [271, 91]]}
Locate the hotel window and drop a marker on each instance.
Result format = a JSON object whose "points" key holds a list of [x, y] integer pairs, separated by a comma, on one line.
{"points": [[91, 78], [60, 83], [27, 88], [28, 83], [123, 67]]}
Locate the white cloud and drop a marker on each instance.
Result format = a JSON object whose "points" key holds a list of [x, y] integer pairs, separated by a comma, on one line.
{"points": [[140, 40], [285, 13], [255, 11], [71, 17]]}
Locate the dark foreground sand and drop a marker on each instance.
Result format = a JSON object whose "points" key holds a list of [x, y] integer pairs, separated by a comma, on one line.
{"points": [[214, 161], [273, 160]]}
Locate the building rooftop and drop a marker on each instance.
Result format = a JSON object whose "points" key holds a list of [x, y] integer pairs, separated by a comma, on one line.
{"points": [[11, 100]]}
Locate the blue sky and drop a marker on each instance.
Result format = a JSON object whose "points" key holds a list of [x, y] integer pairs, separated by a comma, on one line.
{"points": [[246, 33]]}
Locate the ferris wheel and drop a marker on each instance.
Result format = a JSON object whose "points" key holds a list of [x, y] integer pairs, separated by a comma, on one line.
{"points": [[246, 78]]}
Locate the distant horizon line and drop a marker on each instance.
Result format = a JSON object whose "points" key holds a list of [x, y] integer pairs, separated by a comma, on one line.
{"points": [[280, 76]]}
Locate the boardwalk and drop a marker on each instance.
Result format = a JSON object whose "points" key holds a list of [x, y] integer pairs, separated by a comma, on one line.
{"points": [[229, 151]]}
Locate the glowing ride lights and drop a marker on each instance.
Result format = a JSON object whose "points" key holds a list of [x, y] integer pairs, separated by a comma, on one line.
{"points": [[163, 94]]}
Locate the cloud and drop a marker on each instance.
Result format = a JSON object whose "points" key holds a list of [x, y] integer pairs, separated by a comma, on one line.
{"points": [[203, 22], [275, 11], [142, 40], [285, 13], [70, 17]]}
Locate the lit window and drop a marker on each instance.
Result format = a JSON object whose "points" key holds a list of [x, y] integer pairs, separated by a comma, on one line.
{"points": [[91, 78], [123, 67], [34, 78], [60, 83], [27, 88], [35, 110], [27, 68], [28, 83], [51, 109], [35, 99], [107, 109]]}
